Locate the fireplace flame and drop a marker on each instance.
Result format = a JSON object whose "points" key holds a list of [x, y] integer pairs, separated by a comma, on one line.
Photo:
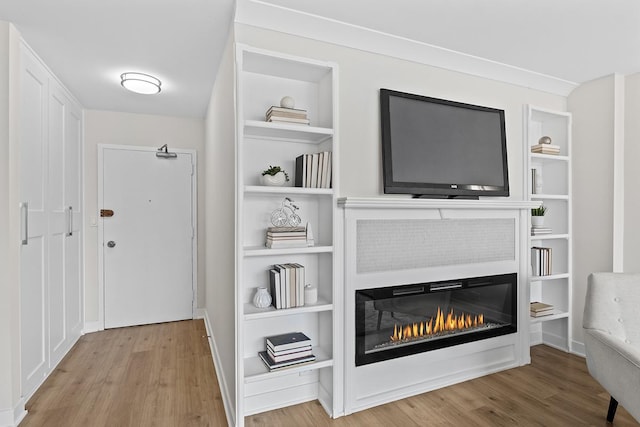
{"points": [[442, 322]]}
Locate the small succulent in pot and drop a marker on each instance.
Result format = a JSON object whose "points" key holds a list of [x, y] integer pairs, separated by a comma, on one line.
{"points": [[537, 216], [539, 211], [275, 176]]}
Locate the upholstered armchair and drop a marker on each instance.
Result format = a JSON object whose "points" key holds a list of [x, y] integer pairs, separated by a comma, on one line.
{"points": [[612, 337]]}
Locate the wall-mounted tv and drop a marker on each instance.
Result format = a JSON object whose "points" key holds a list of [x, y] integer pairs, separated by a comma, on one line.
{"points": [[443, 149]]}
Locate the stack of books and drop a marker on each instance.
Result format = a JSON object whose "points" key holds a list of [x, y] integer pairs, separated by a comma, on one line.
{"points": [[286, 283], [287, 115], [539, 309], [541, 261], [545, 149], [313, 170], [536, 231], [287, 351], [286, 237]]}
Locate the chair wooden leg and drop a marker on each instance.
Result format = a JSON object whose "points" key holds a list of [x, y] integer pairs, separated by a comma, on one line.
{"points": [[613, 405]]}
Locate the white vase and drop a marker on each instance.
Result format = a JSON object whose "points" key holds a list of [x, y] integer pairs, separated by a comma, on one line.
{"points": [[310, 295], [262, 299], [537, 221], [276, 180]]}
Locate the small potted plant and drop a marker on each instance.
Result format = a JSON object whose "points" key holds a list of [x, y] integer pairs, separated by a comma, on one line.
{"points": [[274, 176], [537, 216]]}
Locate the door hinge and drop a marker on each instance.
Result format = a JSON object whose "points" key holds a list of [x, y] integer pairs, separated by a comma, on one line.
{"points": [[106, 213]]}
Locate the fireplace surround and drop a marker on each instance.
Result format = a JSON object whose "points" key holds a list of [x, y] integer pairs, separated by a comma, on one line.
{"points": [[390, 242], [399, 321]]}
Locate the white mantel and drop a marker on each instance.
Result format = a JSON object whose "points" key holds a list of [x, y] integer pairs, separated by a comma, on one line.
{"points": [[445, 223], [404, 203]]}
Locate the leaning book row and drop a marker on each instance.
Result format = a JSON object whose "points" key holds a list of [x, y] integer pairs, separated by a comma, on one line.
{"points": [[541, 261], [287, 285], [314, 170]]}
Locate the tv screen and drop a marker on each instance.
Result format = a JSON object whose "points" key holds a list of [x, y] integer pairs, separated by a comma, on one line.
{"points": [[438, 148]]}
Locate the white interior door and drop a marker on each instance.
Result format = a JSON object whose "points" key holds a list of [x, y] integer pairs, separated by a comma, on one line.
{"points": [[148, 249]]}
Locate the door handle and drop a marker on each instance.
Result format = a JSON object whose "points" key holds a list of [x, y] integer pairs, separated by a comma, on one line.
{"points": [[69, 221], [111, 243], [24, 223]]}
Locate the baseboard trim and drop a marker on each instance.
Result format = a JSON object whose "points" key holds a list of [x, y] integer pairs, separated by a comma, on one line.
{"points": [[94, 326], [201, 313], [578, 349], [13, 417]]}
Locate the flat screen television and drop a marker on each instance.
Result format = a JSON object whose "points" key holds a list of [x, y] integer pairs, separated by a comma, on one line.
{"points": [[443, 149]]}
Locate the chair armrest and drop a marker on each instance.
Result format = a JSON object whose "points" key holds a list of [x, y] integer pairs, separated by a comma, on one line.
{"points": [[628, 351]]}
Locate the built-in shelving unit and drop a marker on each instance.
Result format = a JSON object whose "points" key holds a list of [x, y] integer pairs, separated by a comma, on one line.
{"points": [[263, 78], [552, 174]]}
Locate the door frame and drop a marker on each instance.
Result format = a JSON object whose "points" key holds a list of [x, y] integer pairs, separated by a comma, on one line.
{"points": [[194, 220]]}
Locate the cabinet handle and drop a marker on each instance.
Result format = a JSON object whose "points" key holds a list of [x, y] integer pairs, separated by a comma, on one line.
{"points": [[70, 221], [24, 223]]}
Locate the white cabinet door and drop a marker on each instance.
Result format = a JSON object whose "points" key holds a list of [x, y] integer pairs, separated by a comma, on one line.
{"points": [[64, 248], [73, 243], [50, 135], [33, 256]]}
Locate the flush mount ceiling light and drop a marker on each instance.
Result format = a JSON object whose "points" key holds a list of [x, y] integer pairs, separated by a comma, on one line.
{"points": [[140, 83]]}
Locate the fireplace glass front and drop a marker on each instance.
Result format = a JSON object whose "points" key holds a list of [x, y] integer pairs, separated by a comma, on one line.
{"points": [[402, 320]]}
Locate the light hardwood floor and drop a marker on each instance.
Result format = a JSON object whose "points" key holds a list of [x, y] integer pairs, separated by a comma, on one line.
{"points": [[162, 375], [153, 375]]}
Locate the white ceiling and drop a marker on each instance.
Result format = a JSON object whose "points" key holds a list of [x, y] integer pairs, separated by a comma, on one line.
{"points": [[89, 43]]}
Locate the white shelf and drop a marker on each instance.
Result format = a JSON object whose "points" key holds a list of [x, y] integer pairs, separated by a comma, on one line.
{"points": [[263, 78], [263, 189], [549, 277], [557, 314], [286, 132], [252, 251], [256, 370], [549, 157], [550, 237], [554, 171], [549, 197], [253, 313]]}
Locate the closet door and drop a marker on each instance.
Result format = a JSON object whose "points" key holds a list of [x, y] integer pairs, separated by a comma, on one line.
{"points": [[33, 191], [64, 239], [73, 241], [51, 195]]}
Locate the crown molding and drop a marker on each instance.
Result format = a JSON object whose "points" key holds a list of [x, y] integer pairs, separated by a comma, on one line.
{"points": [[260, 13]]}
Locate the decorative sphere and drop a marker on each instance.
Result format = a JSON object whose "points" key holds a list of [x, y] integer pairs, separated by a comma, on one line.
{"points": [[545, 140], [287, 102]]}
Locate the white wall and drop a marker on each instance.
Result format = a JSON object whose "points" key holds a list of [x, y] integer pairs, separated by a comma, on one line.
{"points": [[631, 258], [220, 223], [108, 127], [9, 226], [593, 108], [362, 74], [5, 289]]}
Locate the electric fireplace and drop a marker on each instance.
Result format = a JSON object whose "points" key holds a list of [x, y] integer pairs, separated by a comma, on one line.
{"points": [[402, 320]]}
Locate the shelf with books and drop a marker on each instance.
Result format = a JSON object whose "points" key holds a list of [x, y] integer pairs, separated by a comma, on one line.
{"points": [[253, 313], [286, 132], [557, 314], [549, 180], [267, 82], [258, 251], [255, 370], [550, 277], [298, 191], [548, 158]]}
